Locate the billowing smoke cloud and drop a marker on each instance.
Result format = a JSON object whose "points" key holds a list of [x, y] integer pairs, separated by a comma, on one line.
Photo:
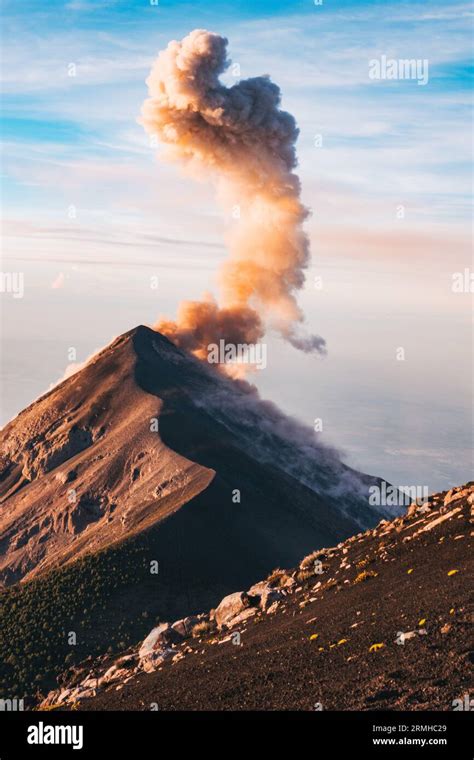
{"points": [[202, 322], [241, 138]]}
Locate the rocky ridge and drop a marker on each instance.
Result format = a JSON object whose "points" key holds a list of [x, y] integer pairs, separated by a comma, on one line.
{"points": [[340, 582]]}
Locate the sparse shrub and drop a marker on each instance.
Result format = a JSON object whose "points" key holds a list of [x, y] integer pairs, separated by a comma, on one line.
{"points": [[278, 578], [303, 575], [363, 563], [310, 559], [203, 628], [312, 565], [85, 596], [365, 575], [275, 576]]}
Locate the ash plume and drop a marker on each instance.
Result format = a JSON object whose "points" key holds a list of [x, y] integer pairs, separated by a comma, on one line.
{"points": [[240, 138]]}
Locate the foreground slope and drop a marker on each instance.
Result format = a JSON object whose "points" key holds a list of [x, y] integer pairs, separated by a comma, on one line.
{"points": [[386, 625]]}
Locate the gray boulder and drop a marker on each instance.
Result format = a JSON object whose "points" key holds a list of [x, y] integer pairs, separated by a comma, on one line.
{"points": [[114, 673], [153, 661], [159, 638], [185, 626], [230, 607]]}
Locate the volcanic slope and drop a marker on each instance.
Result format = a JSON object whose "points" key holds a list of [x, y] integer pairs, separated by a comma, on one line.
{"points": [[384, 621], [146, 435]]}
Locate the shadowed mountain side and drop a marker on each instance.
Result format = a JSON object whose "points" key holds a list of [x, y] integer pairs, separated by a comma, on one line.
{"points": [[223, 425], [248, 539]]}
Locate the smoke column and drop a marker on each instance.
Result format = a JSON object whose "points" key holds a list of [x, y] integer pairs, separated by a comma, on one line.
{"points": [[240, 138]]}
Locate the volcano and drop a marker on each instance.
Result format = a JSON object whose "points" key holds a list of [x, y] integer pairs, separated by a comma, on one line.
{"points": [[146, 437]]}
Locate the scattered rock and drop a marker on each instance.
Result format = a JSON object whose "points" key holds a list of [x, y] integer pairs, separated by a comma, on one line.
{"points": [[406, 636], [185, 626], [156, 644], [127, 661], [273, 608], [423, 509], [85, 694], [161, 635], [244, 615], [156, 658], [455, 493], [114, 673], [231, 606]]}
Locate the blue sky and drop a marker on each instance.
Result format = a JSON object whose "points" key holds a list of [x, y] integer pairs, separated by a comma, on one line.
{"points": [[72, 142], [318, 54]]}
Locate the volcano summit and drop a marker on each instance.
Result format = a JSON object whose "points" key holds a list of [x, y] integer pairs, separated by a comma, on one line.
{"points": [[146, 436]]}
